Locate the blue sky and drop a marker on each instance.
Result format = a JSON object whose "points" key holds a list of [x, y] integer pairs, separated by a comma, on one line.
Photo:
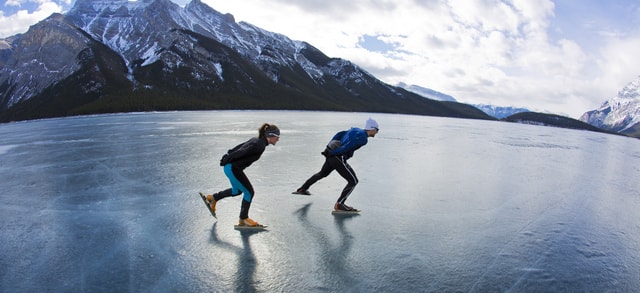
{"points": [[564, 57]]}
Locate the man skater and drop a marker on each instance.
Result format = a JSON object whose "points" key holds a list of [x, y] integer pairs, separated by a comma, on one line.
{"points": [[338, 151]]}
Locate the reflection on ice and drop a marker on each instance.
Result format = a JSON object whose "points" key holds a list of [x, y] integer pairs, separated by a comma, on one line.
{"points": [[110, 203], [244, 277], [333, 267]]}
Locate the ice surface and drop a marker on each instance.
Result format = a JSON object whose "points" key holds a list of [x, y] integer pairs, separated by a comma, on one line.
{"points": [[110, 203]]}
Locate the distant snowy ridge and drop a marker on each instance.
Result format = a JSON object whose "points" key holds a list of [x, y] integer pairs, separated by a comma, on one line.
{"points": [[491, 110], [620, 113], [500, 111], [426, 92]]}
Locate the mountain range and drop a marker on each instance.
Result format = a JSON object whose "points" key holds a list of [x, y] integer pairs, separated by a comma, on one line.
{"points": [[106, 56], [620, 113], [117, 55]]}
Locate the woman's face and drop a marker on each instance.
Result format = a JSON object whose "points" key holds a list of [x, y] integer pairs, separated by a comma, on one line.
{"points": [[273, 139]]}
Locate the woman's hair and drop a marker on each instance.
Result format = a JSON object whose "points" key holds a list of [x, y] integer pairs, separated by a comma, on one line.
{"points": [[268, 130]]}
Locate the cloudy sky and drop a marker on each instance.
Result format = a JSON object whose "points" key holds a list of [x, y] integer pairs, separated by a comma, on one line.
{"points": [[563, 56]]}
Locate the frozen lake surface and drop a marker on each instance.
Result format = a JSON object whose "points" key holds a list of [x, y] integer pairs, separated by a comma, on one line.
{"points": [[109, 203]]}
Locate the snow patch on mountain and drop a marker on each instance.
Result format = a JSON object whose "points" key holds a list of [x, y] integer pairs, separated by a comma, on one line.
{"points": [[219, 70], [150, 56]]}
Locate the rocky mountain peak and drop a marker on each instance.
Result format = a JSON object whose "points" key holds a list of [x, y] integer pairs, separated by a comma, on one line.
{"points": [[620, 113]]}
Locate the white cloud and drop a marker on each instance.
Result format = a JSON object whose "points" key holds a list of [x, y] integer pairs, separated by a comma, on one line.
{"points": [[22, 19], [16, 3], [619, 63]]}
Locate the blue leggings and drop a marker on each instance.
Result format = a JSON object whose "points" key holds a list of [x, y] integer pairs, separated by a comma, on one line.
{"points": [[239, 185]]}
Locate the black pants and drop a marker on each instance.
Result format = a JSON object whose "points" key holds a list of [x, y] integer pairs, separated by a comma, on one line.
{"points": [[239, 185], [339, 164]]}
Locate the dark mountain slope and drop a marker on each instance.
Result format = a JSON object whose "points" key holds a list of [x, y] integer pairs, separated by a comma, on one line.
{"points": [[543, 119]]}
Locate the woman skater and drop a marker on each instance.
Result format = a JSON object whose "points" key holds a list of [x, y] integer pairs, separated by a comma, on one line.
{"points": [[234, 162]]}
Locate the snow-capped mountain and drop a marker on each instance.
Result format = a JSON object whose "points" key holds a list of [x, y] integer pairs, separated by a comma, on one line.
{"points": [[121, 55], [620, 113]]}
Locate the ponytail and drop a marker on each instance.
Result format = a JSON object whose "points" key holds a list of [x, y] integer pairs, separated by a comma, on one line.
{"points": [[262, 130], [268, 130]]}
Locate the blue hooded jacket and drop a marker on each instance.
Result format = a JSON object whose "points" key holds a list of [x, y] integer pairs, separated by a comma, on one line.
{"points": [[349, 141]]}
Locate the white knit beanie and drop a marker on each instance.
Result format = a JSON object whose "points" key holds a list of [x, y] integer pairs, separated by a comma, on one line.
{"points": [[371, 124]]}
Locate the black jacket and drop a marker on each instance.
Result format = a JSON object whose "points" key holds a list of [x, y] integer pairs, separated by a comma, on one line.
{"points": [[244, 154]]}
